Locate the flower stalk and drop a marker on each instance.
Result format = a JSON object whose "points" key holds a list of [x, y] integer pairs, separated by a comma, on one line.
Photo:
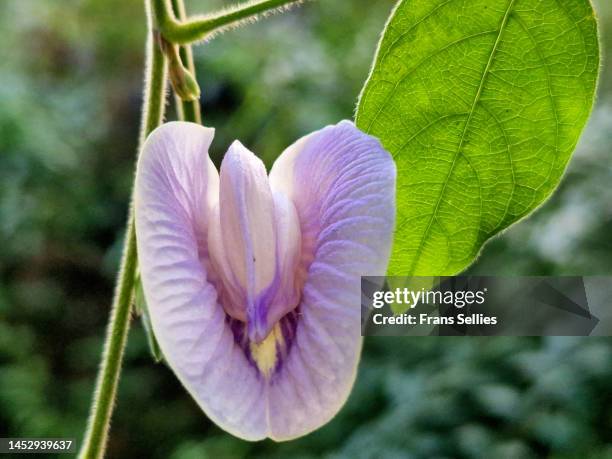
{"points": [[188, 110], [94, 443], [183, 82]]}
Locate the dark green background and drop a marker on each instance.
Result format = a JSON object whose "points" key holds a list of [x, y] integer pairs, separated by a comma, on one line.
{"points": [[70, 94]]}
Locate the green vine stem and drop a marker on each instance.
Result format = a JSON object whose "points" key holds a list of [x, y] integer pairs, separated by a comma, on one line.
{"points": [[94, 443], [184, 32]]}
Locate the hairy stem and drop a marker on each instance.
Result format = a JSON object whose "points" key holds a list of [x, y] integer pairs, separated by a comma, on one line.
{"points": [[94, 443], [161, 19], [185, 32], [188, 110]]}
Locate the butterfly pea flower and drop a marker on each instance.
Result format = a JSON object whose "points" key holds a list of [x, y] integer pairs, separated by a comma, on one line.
{"points": [[253, 280]]}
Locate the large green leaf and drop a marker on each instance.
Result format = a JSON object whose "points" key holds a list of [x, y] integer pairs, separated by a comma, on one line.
{"points": [[481, 103]]}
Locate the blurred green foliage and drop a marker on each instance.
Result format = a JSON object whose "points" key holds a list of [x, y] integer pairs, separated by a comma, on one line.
{"points": [[70, 97]]}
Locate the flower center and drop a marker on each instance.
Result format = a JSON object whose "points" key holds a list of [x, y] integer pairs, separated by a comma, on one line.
{"points": [[254, 245]]}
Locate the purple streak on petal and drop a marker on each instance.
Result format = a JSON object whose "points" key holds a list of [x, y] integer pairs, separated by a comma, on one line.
{"points": [[175, 189], [342, 183]]}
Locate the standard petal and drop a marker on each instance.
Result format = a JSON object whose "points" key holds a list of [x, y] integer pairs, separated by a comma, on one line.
{"points": [[176, 187], [342, 183]]}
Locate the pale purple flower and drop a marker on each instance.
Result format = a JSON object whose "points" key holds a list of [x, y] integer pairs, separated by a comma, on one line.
{"points": [[253, 282]]}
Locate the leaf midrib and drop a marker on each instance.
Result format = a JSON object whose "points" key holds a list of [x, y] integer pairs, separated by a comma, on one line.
{"points": [[502, 27]]}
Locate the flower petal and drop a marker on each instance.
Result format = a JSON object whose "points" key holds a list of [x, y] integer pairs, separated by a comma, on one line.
{"points": [[247, 219], [176, 187], [288, 245], [254, 237], [342, 183]]}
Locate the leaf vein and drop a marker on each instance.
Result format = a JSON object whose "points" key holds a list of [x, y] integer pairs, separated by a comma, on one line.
{"points": [[500, 32], [418, 65]]}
